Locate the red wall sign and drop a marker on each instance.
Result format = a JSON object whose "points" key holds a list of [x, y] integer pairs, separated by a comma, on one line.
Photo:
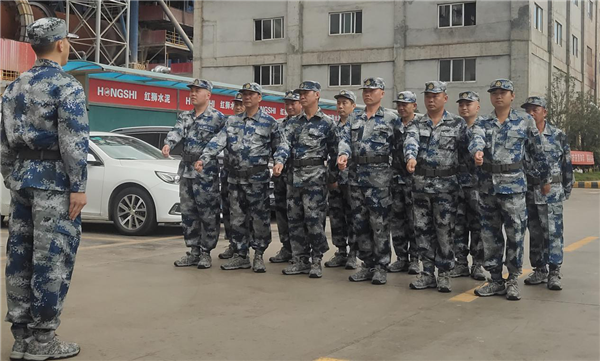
{"points": [[582, 158], [145, 96]]}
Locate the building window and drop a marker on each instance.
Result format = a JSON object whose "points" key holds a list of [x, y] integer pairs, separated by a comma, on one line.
{"points": [[268, 74], [345, 23], [558, 33], [455, 70], [539, 18], [590, 56], [575, 46], [591, 9], [347, 74], [453, 15], [267, 29]]}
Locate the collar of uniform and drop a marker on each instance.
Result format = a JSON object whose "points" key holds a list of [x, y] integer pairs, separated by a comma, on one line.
{"points": [[318, 114], [363, 112], [206, 111], [427, 118], [255, 117], [547, 128], [47, 62]]}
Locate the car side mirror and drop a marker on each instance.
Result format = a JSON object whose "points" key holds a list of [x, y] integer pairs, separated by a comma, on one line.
{"points": [[92, 160]]}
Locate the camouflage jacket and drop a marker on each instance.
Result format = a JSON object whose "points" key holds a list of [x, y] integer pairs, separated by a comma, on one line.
{"points": [[195, 132], [558, 154], [45, 109], [467, 176], [507, 143], [249, 142], [342, 177], [313, 138], [362, 136], [282, 125], [401, 175], [437, 147]]}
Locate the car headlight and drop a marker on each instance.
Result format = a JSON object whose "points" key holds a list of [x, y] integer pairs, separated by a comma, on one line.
{"points": [[171, 178]]}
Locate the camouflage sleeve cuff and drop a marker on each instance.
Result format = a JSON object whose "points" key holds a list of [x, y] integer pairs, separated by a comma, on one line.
{"points": [[78, 187]]}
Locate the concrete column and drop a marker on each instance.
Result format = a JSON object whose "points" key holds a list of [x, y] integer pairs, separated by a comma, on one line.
{"points": [[197, 41], [583, 45], [293, 29], [550, 49], [399, 45], [520, 39]]}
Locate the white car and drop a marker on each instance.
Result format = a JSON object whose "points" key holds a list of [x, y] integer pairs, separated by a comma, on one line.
{"points": [[129, 183]]}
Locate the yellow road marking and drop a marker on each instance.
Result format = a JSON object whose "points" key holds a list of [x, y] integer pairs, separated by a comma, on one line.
{"points": [[579, 244]]}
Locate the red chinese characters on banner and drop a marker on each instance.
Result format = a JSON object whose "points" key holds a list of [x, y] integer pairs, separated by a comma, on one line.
{"points": [[582, 158], [134, 95]]}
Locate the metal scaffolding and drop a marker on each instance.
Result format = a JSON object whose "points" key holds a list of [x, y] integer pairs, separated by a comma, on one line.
{"points": [[105, 24]]}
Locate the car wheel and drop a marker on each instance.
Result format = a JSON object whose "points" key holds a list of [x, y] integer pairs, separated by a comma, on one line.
{"points": [[133, 212]]}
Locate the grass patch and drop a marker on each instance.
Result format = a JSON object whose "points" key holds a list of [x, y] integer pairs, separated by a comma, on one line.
{"points": [[588, 176]]}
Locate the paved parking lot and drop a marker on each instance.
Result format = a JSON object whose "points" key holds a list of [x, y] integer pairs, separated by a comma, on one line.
{"points": [[128, 302]]}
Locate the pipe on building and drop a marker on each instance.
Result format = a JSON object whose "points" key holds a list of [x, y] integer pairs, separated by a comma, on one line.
{"points": [[25, 17], [134, 12], [178, 27]]}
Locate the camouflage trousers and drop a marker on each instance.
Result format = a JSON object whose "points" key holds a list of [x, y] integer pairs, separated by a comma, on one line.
{"points": [[340, 215], [497, 210], [199, 214], [371, 207], [225, 210], [545, 223], [467, 224], [402, 223], [307, 209], [281, 214], [435, 215], [41, 249], [250, 217]]}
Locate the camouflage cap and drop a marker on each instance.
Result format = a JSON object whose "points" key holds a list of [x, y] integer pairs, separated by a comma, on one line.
{"points": [[253, 87], [237, 97], [373, 83], [309, 85], [291, 95], [48, 30], [346, 94], [435, 87], [202, 84], [469, 96], [501, 84], [406, 97], [541, 101]]}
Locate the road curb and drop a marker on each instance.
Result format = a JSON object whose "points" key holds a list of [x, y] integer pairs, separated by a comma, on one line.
{"points": [[588, 184]]}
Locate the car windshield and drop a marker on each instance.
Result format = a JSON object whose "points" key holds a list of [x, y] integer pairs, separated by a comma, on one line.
{"points": [[126, 148]]}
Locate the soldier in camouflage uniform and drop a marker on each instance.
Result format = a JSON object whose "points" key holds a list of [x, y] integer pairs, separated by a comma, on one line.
{"points": [[340, 212], [309, 139], [435, 146], [43, 149], [238, 108], [250, 139], [366, 144], [198, 192], [545, 212], [467, 216], [499, 143], [402, 225], [292, 108]]}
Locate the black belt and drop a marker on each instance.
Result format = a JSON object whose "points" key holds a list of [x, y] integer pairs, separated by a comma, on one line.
{"points": [[536, 181], [190, 157], [430, 172], [501, 168], [360, 159], [463, 168], [31, 154], [308, 162], [248, 172]]}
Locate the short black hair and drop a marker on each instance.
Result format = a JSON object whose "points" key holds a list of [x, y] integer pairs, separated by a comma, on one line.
{"points": [[43, 49]]}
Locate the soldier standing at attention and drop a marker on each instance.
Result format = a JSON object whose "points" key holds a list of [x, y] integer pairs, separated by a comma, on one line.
{"points": [[366, 144], [467, 216], [435, 146], [309, 139], [292, 108], [545, 212], [198, 192], [238, 108], [499, 143], [340, 212], [43, 147], [402, 225], [250, 139]]}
